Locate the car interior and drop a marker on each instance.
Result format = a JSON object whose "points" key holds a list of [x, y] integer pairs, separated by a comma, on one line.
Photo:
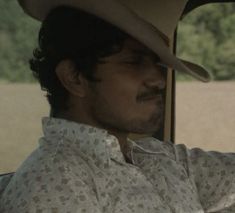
{"points": [[167, 131]]}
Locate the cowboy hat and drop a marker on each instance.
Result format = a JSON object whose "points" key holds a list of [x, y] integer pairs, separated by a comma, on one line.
{"points": [[152, 22]]}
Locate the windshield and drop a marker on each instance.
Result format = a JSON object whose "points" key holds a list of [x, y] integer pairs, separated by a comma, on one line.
{"points": [[205, 112]]}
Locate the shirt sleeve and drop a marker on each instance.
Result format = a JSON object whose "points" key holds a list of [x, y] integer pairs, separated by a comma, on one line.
{"points": [[49, 189], [214, 176]]}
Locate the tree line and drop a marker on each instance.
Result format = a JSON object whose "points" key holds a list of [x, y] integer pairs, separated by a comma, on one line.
{"points": [[205, 36]]}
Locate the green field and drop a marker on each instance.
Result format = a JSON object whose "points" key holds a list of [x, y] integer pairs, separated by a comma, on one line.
{"points": [[205, 118]]}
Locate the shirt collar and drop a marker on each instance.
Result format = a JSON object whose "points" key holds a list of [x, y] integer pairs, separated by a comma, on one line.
{"points": [[95, 143]]}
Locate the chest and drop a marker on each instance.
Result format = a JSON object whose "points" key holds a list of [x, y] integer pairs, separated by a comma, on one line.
{"points": [[155, 185]]}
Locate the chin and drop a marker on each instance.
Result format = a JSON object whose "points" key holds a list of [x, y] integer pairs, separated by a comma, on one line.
{"points": [[152, 125], [146, 127]]}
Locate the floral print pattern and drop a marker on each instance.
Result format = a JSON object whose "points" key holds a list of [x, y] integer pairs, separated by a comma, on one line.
{"points": [[80, 169]]}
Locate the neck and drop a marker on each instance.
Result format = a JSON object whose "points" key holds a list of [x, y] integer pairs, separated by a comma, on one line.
{"points": [[120, 135], [122, 139]]}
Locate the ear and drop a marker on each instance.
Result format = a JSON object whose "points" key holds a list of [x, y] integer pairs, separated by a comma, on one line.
{"points": [[75, 84]]}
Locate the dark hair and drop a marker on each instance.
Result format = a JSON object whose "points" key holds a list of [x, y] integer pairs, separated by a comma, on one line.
{"points": [[69, 33]]}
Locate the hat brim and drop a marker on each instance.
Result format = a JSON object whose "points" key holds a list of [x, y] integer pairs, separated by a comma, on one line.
{"points": [[125, 19]]}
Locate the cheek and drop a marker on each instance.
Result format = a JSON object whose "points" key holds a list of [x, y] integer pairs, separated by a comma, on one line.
{"points": [[121, 91], [121, 97], [120, 88]]}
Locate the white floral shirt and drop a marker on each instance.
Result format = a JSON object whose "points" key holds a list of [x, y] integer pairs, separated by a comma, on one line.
{"points": [[81, 169]]}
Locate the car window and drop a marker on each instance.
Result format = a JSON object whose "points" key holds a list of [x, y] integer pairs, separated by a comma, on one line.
{"points": [[205, 111], [22, 103]]}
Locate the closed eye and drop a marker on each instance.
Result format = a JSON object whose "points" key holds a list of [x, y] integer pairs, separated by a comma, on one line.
{"points": [[135, 60]]}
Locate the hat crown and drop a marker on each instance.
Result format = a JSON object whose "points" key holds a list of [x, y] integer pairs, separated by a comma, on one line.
{"points": [[149, 21], [162, 14]]}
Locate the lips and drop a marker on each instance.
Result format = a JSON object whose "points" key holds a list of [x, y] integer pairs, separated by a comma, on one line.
{"points": [[150, 97]]}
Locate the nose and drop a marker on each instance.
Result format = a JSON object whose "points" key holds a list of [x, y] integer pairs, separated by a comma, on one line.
{"points": [[156, 78]]}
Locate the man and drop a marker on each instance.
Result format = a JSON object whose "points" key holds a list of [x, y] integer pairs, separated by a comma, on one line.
{"points": [[103, 83]]}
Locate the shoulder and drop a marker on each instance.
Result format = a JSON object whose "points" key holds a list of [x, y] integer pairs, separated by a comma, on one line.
{"points": [[48, 178]]}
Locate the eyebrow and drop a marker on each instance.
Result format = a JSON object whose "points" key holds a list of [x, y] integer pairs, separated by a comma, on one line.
{"points": [[141, 51], [145, 52]]}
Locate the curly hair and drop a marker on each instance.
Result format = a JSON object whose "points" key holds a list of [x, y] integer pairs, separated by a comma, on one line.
{"points": [[68, 33]]}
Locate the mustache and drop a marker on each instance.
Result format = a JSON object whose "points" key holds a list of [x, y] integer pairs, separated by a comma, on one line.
{"points": [[150, 93]]}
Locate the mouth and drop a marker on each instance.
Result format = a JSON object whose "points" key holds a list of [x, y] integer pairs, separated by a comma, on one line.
{"points": [[153, 97]]}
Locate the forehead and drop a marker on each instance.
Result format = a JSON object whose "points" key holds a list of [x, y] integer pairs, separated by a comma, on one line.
{"points": [[135, 47]]}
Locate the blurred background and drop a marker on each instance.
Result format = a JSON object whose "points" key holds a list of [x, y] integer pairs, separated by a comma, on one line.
{"points": [[205, 113]]}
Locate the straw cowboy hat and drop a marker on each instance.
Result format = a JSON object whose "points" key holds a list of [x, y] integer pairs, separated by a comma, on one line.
{"points": [[152, 22]]}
